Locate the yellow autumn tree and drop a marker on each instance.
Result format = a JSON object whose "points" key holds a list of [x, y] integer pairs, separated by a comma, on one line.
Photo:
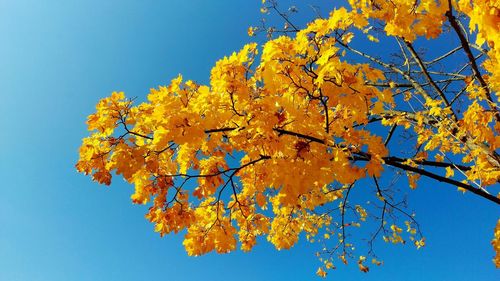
{"points": [[284, 131]]}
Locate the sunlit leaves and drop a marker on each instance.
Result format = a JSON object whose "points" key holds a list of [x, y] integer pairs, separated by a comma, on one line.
{"points": [[496, 244], [273, 145]]}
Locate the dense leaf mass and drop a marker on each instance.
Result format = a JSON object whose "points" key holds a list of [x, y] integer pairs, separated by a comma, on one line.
{"points": [[275, 143]]}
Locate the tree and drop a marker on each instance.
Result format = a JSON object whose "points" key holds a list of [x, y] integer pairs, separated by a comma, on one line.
{"points": [[278, 140]]}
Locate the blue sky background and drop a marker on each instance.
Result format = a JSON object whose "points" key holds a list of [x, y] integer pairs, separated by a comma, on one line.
{"points": [[58, 58]]}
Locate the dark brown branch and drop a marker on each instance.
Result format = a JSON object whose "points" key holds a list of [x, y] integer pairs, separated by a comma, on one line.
{"points": [[389, 136], [311, 138], [136, 134], [429, 163], [398, 163], [475, 69], [225, 129], [444, 179], [465, 44]]}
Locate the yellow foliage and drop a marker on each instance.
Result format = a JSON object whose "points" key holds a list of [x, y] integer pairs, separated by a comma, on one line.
{"points": [[272, 144], [496, 244]]}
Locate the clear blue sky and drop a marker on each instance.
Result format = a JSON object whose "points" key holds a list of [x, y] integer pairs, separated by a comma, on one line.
{"points": [[57, 58]]}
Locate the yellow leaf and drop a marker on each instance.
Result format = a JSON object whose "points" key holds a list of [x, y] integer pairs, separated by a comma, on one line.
{"points": [[450, 172]]}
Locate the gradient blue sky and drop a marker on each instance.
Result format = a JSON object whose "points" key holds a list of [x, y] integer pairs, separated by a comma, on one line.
{"points": [[58, 58]]}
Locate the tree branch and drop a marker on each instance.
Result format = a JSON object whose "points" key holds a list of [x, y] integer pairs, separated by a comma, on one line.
{"points": [[475, 69], [420, 63], [444, 179]]}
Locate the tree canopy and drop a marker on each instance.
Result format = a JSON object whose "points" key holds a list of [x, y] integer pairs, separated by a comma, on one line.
{"points": [[285, 130]]}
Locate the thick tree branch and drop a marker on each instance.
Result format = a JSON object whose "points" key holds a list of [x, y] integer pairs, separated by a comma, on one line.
{"points": [[429, 163], [444, 179], [307, 137], [475, 69]]}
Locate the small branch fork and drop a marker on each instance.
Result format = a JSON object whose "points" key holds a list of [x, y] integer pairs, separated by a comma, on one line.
{"points": [[385, 208]]}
